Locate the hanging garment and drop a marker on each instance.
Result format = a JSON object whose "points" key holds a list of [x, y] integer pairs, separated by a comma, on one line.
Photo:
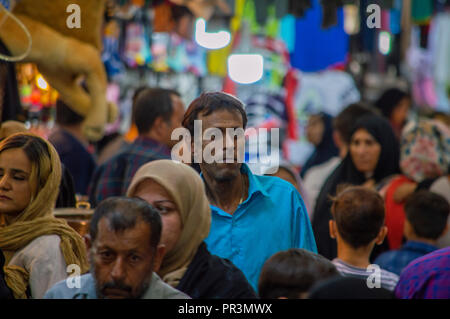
{"points": [[299, 7], [162, 21], [330, 12], [287, 32], [421, 11], [439, 48], [317, 49]]}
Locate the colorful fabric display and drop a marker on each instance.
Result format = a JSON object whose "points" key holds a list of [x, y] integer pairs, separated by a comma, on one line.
{"points": [[137, 52]]}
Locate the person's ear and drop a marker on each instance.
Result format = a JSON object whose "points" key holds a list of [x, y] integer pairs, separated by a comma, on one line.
{"points": [[332, 228], [159, 256], [381, 235]]}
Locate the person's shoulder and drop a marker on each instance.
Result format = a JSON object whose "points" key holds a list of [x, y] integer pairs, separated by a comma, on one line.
{"points": [[389, 275], [387, 257], [158, 289], [43, 244], [65, 290], [433, 259], [118, 161], [275, 184], [325, 168]]}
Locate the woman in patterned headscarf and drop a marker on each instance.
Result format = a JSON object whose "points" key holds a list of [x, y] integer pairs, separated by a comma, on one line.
{"points": [[425, 156]]}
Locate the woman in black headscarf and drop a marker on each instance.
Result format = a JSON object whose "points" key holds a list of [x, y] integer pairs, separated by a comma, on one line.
{"points": [[320, 133], [373, 155], [395, 105]]}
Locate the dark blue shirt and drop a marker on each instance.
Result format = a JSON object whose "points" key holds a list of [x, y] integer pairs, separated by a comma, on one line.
{"points": [[395, 260], [75, 156]]}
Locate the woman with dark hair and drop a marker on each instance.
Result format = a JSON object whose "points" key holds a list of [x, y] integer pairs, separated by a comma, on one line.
{"points": [[373, 155], [395, 105], [319, 132], [37, 246]]}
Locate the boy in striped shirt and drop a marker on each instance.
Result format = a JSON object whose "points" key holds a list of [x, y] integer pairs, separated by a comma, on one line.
{"points": [[358, 225]]}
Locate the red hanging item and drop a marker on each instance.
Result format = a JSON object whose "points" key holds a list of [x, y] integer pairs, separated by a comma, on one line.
{"points": [[395, 213]]}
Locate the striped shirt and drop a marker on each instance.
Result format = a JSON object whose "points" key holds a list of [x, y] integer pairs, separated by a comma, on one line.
{"points": [[388, 280]]}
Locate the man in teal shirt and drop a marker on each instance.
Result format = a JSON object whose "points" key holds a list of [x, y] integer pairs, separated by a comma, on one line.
{"points": [[253, 217]]}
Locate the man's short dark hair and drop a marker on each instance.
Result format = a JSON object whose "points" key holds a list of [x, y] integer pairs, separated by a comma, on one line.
{"points": [[65, 115], [152, 103], [210, 102], [124, 213], [427, 213], [359, 215], [344, 121], [292, 272]]}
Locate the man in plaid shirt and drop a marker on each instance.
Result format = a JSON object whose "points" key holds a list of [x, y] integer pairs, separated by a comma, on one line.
{"points": [[157, 113]]}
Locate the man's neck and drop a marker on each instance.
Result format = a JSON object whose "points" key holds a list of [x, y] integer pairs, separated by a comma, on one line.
{"points": [[358, 257], [227, 195], [151, 135]]}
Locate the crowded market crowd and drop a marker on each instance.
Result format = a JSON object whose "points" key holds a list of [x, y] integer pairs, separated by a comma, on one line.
{"points": [[366, 217]]}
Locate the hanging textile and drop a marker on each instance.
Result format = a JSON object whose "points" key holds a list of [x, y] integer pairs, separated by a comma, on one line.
{"points": [[317, 49]]}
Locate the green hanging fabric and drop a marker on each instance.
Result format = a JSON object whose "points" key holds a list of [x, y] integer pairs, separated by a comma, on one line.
{"points": [[421, 11], [272, 24]]}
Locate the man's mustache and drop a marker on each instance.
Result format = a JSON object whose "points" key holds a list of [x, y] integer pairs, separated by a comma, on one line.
{"points": [[117, 286]]}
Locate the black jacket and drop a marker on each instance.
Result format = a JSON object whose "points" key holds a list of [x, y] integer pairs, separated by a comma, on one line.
{"points": [[211, 277], [346, 173], [5, 292]]}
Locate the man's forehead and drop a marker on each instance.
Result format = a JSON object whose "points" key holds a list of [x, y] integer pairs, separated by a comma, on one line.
{"points": [[222, 118], [123, 238]]}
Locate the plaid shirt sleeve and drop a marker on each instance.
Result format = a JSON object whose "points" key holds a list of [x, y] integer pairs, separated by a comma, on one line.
{"points": [[427, 277], [107, 180]]}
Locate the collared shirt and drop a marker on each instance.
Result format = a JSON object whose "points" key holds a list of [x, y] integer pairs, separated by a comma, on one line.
{"points": [[395, 260], [272, 218], [427, 277], [388, 280], [113, 177], [67, 289]]}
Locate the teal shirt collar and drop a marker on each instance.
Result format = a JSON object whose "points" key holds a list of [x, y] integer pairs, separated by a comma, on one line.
{"points": [[255, 185]]}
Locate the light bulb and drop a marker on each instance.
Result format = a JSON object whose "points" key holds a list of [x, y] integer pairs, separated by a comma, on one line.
{"points": [[245, 68]]}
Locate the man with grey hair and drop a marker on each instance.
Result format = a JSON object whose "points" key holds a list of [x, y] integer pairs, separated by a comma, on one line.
{"points": [[124, 252]]}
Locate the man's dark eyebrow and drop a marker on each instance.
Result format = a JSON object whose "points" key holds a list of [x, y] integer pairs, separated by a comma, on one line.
{"points": [[105, 247]]}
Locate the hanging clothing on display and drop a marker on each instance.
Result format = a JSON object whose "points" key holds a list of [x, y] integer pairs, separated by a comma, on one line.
{"points": [[439, 47], [317, 49], [422, 11]]}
